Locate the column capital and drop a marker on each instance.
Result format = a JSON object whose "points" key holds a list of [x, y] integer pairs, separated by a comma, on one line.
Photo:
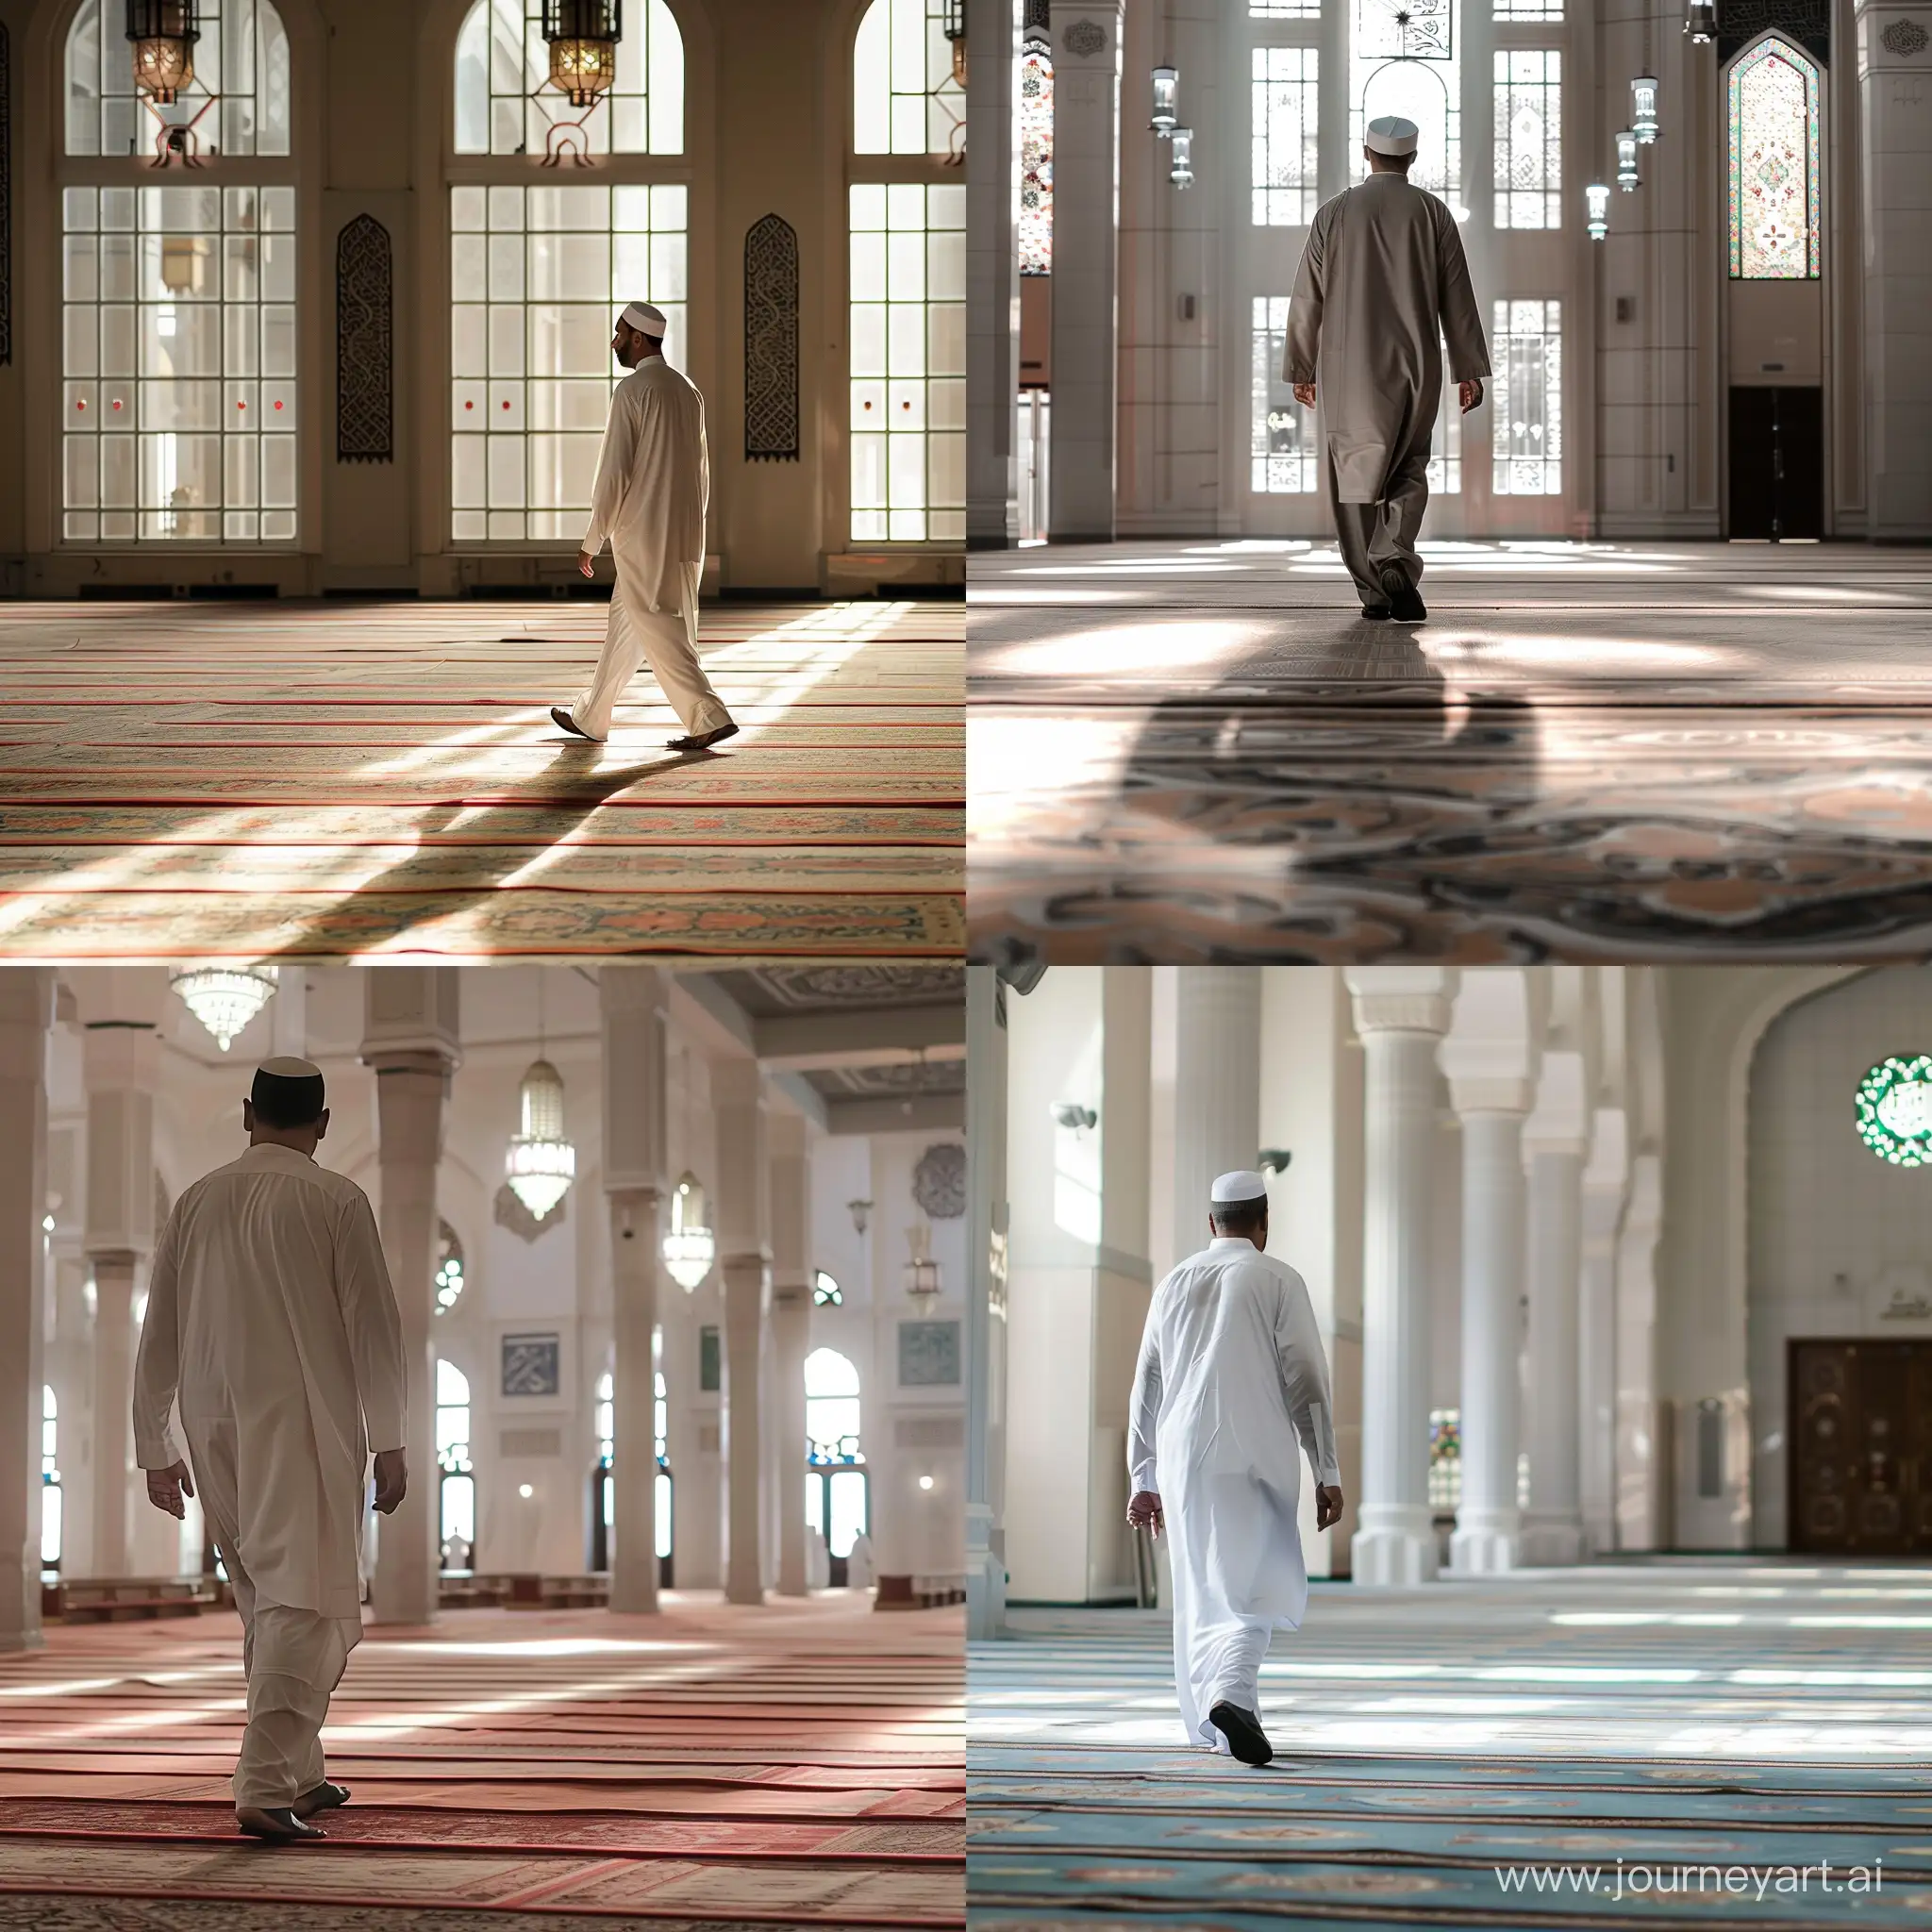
{"points": [[1402, 999], [1502, 1094], [1560, 1121], [411, 1019]]}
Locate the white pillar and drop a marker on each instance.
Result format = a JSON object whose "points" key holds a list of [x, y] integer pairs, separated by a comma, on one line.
{"points": [[745, 1268], [27, 1012], [1217, 1097], [634, 1002], [792, 1335], [1085, 198], [122, 1061], [1401, 1013], [993, 308], [987, 1217], [1604, 1182], [410, 1039], [1555, 1141]]}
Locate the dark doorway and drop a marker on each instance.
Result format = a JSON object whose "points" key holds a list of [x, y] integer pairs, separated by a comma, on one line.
{"points": [[1777, 462], [1860, 1448]]}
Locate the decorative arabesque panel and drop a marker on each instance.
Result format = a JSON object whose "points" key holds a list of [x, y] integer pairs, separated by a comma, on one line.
{"points": [[771, 342], [365, 414]]}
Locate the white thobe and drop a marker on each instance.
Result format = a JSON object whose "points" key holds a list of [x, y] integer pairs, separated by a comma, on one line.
{"points": [[653, 487], [272, 1323], [1231, 1371]]}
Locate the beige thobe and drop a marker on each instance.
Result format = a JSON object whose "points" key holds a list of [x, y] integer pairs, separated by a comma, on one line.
{"points": [[654, 483], [272, 1321], [1382, 283]]}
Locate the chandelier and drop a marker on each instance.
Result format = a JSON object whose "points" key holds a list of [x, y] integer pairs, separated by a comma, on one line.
{"points": [[225, 998], [541, 1163], [1644, 108], [691, 1247], [163, 33], [1597, 199], [583, 37], [1626, 159]]}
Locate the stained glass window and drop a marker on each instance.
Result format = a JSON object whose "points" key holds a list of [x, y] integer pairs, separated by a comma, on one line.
{"points": [[1036, 161], [242, 56], [1283, 437], [905, 98], [537, 277], [1529, 138], [1527, 398], [1774, 164], [1285, 127], [505, 105]]}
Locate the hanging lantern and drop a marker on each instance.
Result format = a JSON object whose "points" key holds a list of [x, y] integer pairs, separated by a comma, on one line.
{"points": [[1644, 108], [541, 1163], [163, 33], [1700, 22], [225, 998], [1167, 96], [691, 1247], [1627, 160], [1180, 168], [922, 1274], [583, 37], [1597, 198], [953, 25]]}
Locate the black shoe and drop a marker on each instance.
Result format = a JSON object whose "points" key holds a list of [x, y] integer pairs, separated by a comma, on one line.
{"points": [[704, 741], [1243, 1732], [1375, 613], [1406, 603], [559, 716]]}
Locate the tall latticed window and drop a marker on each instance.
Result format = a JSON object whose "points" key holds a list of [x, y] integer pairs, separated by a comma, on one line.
{"points": [[1284, 166], [1529, 138], [50, 1480], [1035, 159], [1773, 163], [1445, 1462], [836, 1495], [660, 1430], [1527, 398], [1284, 10], [1282, 437], [456, 1480], [178, 398], [538, 272], [906, 332], [1528, 9]]}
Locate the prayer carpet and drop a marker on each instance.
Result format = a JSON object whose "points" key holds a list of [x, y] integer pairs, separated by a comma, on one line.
{"points": [[1555, 1749], [796, 1765], [322, 780], [1201, 753]]}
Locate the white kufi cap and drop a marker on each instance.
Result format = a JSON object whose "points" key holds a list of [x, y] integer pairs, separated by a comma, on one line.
{"points": [[1230, 1188], [1390, 134], [641, 315]]}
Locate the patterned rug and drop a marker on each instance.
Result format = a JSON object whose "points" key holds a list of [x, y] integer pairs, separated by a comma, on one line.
{"points": [[322, 780], [715, 1766], [1558, 1749], [1602, 752]]}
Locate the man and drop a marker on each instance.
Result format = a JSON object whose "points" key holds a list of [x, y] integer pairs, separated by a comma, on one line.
{"points": [[1382, 280], [1231, 1371], [654, 482], [270, 1315]]}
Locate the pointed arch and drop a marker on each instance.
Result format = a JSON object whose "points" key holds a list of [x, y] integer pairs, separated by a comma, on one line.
{"points": [[1771, 102]]}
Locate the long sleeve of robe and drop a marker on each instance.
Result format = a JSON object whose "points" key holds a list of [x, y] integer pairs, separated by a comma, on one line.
{"points": [[653, 487], [272, 1326], [1383, 283], [1231, 1383]]}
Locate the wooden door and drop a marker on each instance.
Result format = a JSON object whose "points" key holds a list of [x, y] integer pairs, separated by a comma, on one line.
{"points": [[1861, 1436], [1777, 462]]}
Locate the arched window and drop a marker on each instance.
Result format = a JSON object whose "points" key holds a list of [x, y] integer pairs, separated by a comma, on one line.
{"points": [[540, 263], [907, 323], [449, 1268], [178, 400], [825, 1292], [458, 1481], [1772, 98], [603, 1514], [50, 1480], [837, 1493]]}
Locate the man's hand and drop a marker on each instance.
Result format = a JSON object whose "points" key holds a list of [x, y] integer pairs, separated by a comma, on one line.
{"points": [[391, 1478], [1327, 1505], [1143, 1512], [587, 564], [1471, 393], [166, 1487], [1304, 394]]}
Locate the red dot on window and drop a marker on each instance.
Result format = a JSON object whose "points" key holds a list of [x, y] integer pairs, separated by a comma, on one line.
{"points": [[240, 406], [868, 406], [117, 402], [469, 406], [905, 406], [506, 402], [81, 402], [278, 402]]}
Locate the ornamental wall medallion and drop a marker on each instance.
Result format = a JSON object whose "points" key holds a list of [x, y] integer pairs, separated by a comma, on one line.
{"points": [[938, 1182], [364, 338], [1085, 37], [1903, 38], [771, 342], [1893, 1110]]}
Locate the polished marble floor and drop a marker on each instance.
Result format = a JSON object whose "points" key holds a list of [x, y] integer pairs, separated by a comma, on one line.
{"points": [[1201, 752]]}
